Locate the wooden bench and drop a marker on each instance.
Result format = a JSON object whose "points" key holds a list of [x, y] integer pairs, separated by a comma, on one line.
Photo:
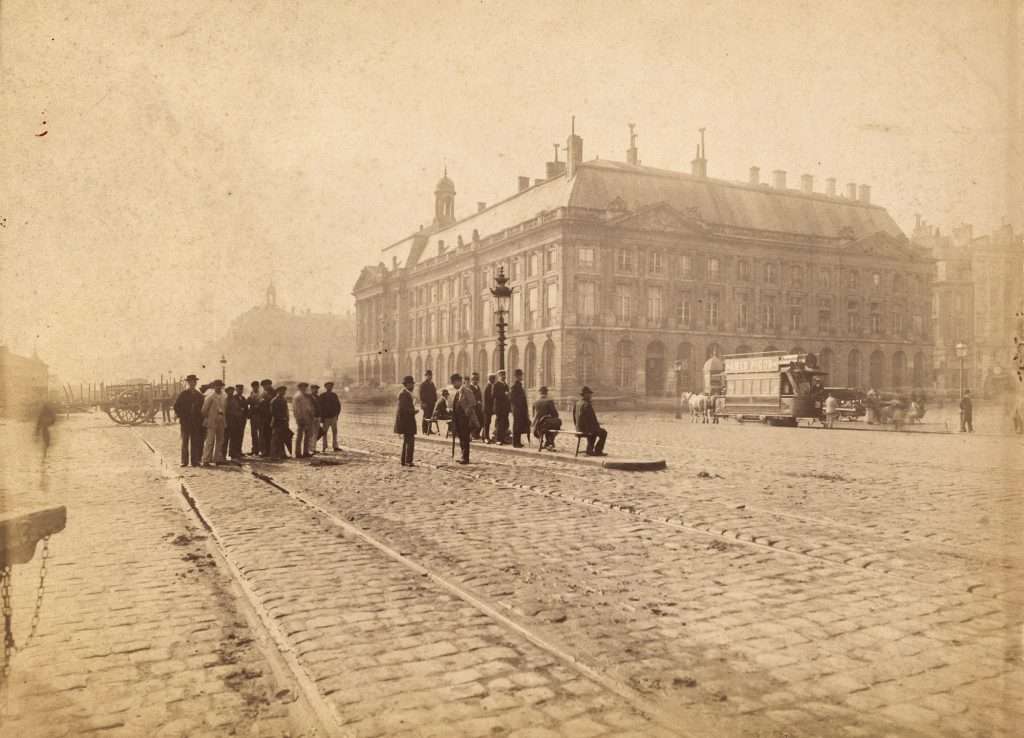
{"points": [[580, 437], [435, 423]]}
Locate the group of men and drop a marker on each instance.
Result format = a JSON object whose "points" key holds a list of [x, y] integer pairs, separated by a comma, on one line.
{"points": [[213, 419], [483, 414]]}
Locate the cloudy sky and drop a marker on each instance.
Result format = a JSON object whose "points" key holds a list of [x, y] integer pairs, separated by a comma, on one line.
{"points": [[195, 151]]}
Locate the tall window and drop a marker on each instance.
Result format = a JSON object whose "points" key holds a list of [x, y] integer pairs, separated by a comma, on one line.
{"points": [[467, 317], [624, 365], [655, 263], [711, 311], [686, 266], [897, 323], [743, 314], [654, 303], [585, 257], [586, 362], [551, 303], [876, 319], [824, 279], [771, 273], [532, 263], [796, 277], [419, 331], [918, 323], [824, 321], [853, 322], [513, 270], [585, 292], [683, 314], [796, 319], [516, 311], [768, 315], [714, 269], [532, 307], [624, 260], [743, 268], [623, 302], [850, 279]]}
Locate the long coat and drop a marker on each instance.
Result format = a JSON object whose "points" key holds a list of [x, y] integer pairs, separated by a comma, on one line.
{"points": [[213, 410], [189, 409], [585, 417], [489, 398], [464, 410], [520, 408], [501, 404], [428, 394], [405, 414]]}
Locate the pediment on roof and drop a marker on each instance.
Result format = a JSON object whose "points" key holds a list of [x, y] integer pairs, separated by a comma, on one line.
{"points": [[369, 277], [880, 243], [662, 217]]}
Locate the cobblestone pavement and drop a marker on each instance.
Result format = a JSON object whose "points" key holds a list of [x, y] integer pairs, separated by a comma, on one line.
{"points": [[139, 633], [795, 581]]}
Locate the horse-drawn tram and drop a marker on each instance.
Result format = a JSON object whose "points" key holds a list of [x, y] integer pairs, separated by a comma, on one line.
{"points": [[771, 387]]}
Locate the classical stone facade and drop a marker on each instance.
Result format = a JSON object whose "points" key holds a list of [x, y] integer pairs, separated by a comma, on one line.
{"points": [[619, 270], [978, 299]]}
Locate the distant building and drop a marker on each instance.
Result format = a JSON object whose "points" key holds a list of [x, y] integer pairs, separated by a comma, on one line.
{"points": [[978, 294], [23, 381], [619, 270]]}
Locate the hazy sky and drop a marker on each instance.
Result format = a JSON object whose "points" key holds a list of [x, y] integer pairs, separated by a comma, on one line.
{"points": [[195, 150]]}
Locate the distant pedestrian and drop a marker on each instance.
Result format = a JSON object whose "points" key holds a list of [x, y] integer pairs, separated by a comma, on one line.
{"points": [[165, 409], [280, 432], [966, 413], [266, 399], [545, 420], [464, 417], [215, 422], [405, 420], [254, 417], [314, 401], [44, 421], [520, 409], [474, 384], [305, 434], [330, 409], [235, 409], [586, 423], [488, 404], [189, 408], [428, 397], [501, 408], [831, 410]]}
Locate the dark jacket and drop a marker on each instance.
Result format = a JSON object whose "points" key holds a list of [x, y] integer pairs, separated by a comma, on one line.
{"points": [[405, 414], [235, 408], [330, 405], [266, 408], [279, 411], [489, 398], [189, 408], [967, 407], [585, 418], [520, 408], [314, 404], [428, 394], [545, 416], [441, 410], [501, 404]]}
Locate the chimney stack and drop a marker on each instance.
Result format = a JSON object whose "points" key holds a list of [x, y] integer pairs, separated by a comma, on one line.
{"points": [[806, 184], [755, 175], [554, 168], [830, 186], [851, 190], [699, 165], [524, 183], [574, 150], [779, 176], [481, 206], [632, 153], [865, 194]]}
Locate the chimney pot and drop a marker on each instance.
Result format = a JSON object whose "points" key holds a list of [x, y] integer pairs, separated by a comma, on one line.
{"points": [[830, 186], [779, 176], [481, 206], [755, 175], [524, 183], [851, 190], [807, 183], [865, 194], [554, 169]]}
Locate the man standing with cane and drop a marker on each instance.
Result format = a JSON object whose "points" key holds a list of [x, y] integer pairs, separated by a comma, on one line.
{"points": [[464, 417]]}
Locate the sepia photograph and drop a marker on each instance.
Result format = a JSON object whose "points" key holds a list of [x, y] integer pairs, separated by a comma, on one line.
{"points": [[512, 368]]}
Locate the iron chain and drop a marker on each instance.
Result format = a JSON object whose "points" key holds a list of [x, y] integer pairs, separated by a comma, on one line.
{"points": [[10, 648]]}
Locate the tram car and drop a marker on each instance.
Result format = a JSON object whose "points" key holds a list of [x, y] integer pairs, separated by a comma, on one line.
{"points": [[772, 387]]}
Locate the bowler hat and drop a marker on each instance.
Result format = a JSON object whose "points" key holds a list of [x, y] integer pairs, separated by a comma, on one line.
{"points": [[586, 390], [191, 378], [217, 383], [408, 380], [542, 390]]}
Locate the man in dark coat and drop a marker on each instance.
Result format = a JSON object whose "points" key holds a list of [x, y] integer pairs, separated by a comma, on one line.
{"points": [[501, 409], [189, 409], [464, 417], [235, 412], [488, 408], [330, 409], [586, 423], [520, 410], [428, 398], [279, 424], [405, 420], [255, 419], [474, 384], [267, 397], [966, 413], [545, 420]]}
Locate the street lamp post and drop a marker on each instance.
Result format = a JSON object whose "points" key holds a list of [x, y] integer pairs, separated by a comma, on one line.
{"points": [[502, 296], [961, 353], [223, 369]]}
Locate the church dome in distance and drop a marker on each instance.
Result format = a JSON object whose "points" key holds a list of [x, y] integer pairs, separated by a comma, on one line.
{"points": [[445, 185]]}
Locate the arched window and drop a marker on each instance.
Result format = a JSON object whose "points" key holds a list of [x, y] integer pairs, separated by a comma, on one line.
{"points": [[713, 350], [919, 370], [899, 369], [586, 361], [513, 360], [530, 365], [825, 361], [482, 365], [547, 362], [853, 369], [428, 365], [654, 369], [624, 370], [463, 363], [496, 360], [876, 375], [418, 369], [451, 366], [684, 355]]}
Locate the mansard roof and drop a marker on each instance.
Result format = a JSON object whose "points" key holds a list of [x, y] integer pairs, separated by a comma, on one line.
{"points": [[629, 188]]}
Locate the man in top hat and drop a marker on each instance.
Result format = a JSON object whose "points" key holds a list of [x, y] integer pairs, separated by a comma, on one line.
{"points": [[586, 423], [464, 417], [330, 409], [520, 409], [485, 432], [235, 409], [501, 408], [405, 420], [215, 422], [428, 398], [189, 408]]}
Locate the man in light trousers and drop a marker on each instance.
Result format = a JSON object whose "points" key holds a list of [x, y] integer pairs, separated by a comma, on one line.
{"points": [[215, 422], [305, 422]]}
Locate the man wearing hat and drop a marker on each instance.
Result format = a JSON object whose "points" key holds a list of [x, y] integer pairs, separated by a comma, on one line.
{"points": [[215, 422], [405, 420], [501, 409], [428, 398], [302, 409], [520, 410], [545, 420], [474, 384], [266, 417], [586, 423], [330, 409], [488, 407], [235, 409], [189, 409], [252, 412], [279, 423], [464, 418]]}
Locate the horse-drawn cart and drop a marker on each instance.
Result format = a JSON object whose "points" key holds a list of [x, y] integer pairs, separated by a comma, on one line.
{"points": [[131, 404]]}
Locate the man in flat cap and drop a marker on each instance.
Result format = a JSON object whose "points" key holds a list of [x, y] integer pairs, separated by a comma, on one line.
{"points": [[586, 423], [189, 408], [215, 422]]}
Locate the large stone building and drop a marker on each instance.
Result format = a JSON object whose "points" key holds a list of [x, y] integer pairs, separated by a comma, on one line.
{"points": [[978, 299], [23, 382], [619, 270]]}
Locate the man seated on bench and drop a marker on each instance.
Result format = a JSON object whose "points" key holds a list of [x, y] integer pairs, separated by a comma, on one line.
{"points": [[442, 410], [586, 423], [545, 421]]}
